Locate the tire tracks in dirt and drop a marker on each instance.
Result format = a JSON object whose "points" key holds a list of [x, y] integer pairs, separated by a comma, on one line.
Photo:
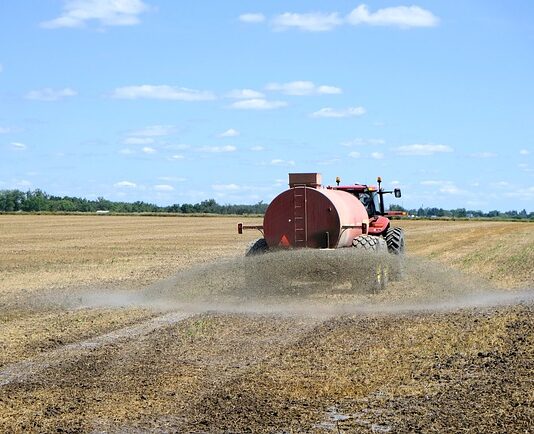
{"points": [[26, 369], [147, 376]]}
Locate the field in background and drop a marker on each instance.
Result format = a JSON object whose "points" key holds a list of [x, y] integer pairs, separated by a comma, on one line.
{"points": [[59, 251], [432, 371]]}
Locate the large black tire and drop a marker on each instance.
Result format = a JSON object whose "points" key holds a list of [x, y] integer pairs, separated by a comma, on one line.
{"points": [[258, 247], [378, 277], [395, 240], [369, 243]]}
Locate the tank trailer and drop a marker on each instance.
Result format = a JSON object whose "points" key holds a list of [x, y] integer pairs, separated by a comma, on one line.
{"points": [[309, 215]]}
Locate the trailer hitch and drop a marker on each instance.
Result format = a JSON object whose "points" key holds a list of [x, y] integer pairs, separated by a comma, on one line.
{"points": [[241, 227]]}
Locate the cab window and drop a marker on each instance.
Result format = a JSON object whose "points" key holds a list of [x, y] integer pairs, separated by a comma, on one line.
{"points": [[370, 202]]}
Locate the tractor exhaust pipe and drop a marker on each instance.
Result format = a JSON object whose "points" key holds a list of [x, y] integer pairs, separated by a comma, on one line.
{"points": [[380, 195]]}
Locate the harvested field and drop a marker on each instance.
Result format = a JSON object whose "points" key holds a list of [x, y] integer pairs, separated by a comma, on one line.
{"points": [[129, 324]]}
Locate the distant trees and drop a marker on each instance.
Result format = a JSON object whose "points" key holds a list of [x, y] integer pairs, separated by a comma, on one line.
{"points": [[39, 201], [462, 213], [12, 200]]}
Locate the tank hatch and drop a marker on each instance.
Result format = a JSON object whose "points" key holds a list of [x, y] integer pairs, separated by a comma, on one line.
{"points": [[304, 179]]}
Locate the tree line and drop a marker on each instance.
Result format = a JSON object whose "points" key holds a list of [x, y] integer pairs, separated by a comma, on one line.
{"points": [[39, 201], [462, 213]]}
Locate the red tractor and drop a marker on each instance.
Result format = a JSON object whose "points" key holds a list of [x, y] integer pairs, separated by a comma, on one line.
{"points": [[309, 215]]}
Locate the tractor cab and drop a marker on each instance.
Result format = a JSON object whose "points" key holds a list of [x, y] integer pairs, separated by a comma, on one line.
{"points": [[370, 201], [372, 198], [367, 195]]}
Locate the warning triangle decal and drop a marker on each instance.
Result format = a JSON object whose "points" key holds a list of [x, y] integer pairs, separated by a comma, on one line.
{"points": [[284, 242]]}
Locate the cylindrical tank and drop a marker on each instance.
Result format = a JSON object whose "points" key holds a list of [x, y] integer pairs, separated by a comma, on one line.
{"points": [[314, 218]]}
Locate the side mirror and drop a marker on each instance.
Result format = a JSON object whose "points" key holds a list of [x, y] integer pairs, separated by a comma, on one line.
{"points": [[397, 192]]}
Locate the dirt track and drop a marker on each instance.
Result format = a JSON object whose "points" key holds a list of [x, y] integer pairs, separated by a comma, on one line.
{"points": [[129, 369]]}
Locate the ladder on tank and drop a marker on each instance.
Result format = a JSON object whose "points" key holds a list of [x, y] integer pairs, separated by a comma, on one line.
{"points": [[300, 216]]}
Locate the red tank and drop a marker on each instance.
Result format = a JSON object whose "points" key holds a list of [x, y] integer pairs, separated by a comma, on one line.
{"points": [[308, 215]]}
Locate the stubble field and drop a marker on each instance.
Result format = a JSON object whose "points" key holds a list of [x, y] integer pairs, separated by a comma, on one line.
{"points": [[101, 332]]}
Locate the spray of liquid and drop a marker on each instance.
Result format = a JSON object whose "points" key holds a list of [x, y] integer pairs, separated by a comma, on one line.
{"points": [[313, 282]]}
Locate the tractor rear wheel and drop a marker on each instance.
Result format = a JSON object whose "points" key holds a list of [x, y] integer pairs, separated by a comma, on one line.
{"points": [[378, 275], [258, 247], [395, 240], [370, 243]]}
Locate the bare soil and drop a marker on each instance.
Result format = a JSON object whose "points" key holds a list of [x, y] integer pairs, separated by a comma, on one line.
{"points": [[100, 331]]}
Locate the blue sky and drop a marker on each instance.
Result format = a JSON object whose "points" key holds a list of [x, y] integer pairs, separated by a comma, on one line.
{"points": [[173, 102]]}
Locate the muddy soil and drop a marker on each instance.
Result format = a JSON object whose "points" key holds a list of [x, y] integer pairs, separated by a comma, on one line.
{"points": [[420, 372]]}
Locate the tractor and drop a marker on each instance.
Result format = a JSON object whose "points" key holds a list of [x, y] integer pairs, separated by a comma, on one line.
{"points": [[309, 215]]}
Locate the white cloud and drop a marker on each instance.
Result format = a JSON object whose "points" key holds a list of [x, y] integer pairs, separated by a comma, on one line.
{"points": [[172, 178], [23, 183], [17, 146], [354, 154], [5, 130], [525, 193], [329, 90], [302, 87], [217, 149], [363, 142], [426, 149], [377, 155], [76, 13], [177, 157], [483, 154], [138, 141], [279, 162], [162, 92], [257, 148], [148, 150], [501, 184], [252, 18], [257, 104], [524, 152], [163, 187], [48, 94], [329, 112], [329, 162], [125, 184], [230, 133], [244, 94], [178, 147], [400, 16], [310, 22], [153, 131], [446, 187], [226, 187], [450, 188], [127, 151]]}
